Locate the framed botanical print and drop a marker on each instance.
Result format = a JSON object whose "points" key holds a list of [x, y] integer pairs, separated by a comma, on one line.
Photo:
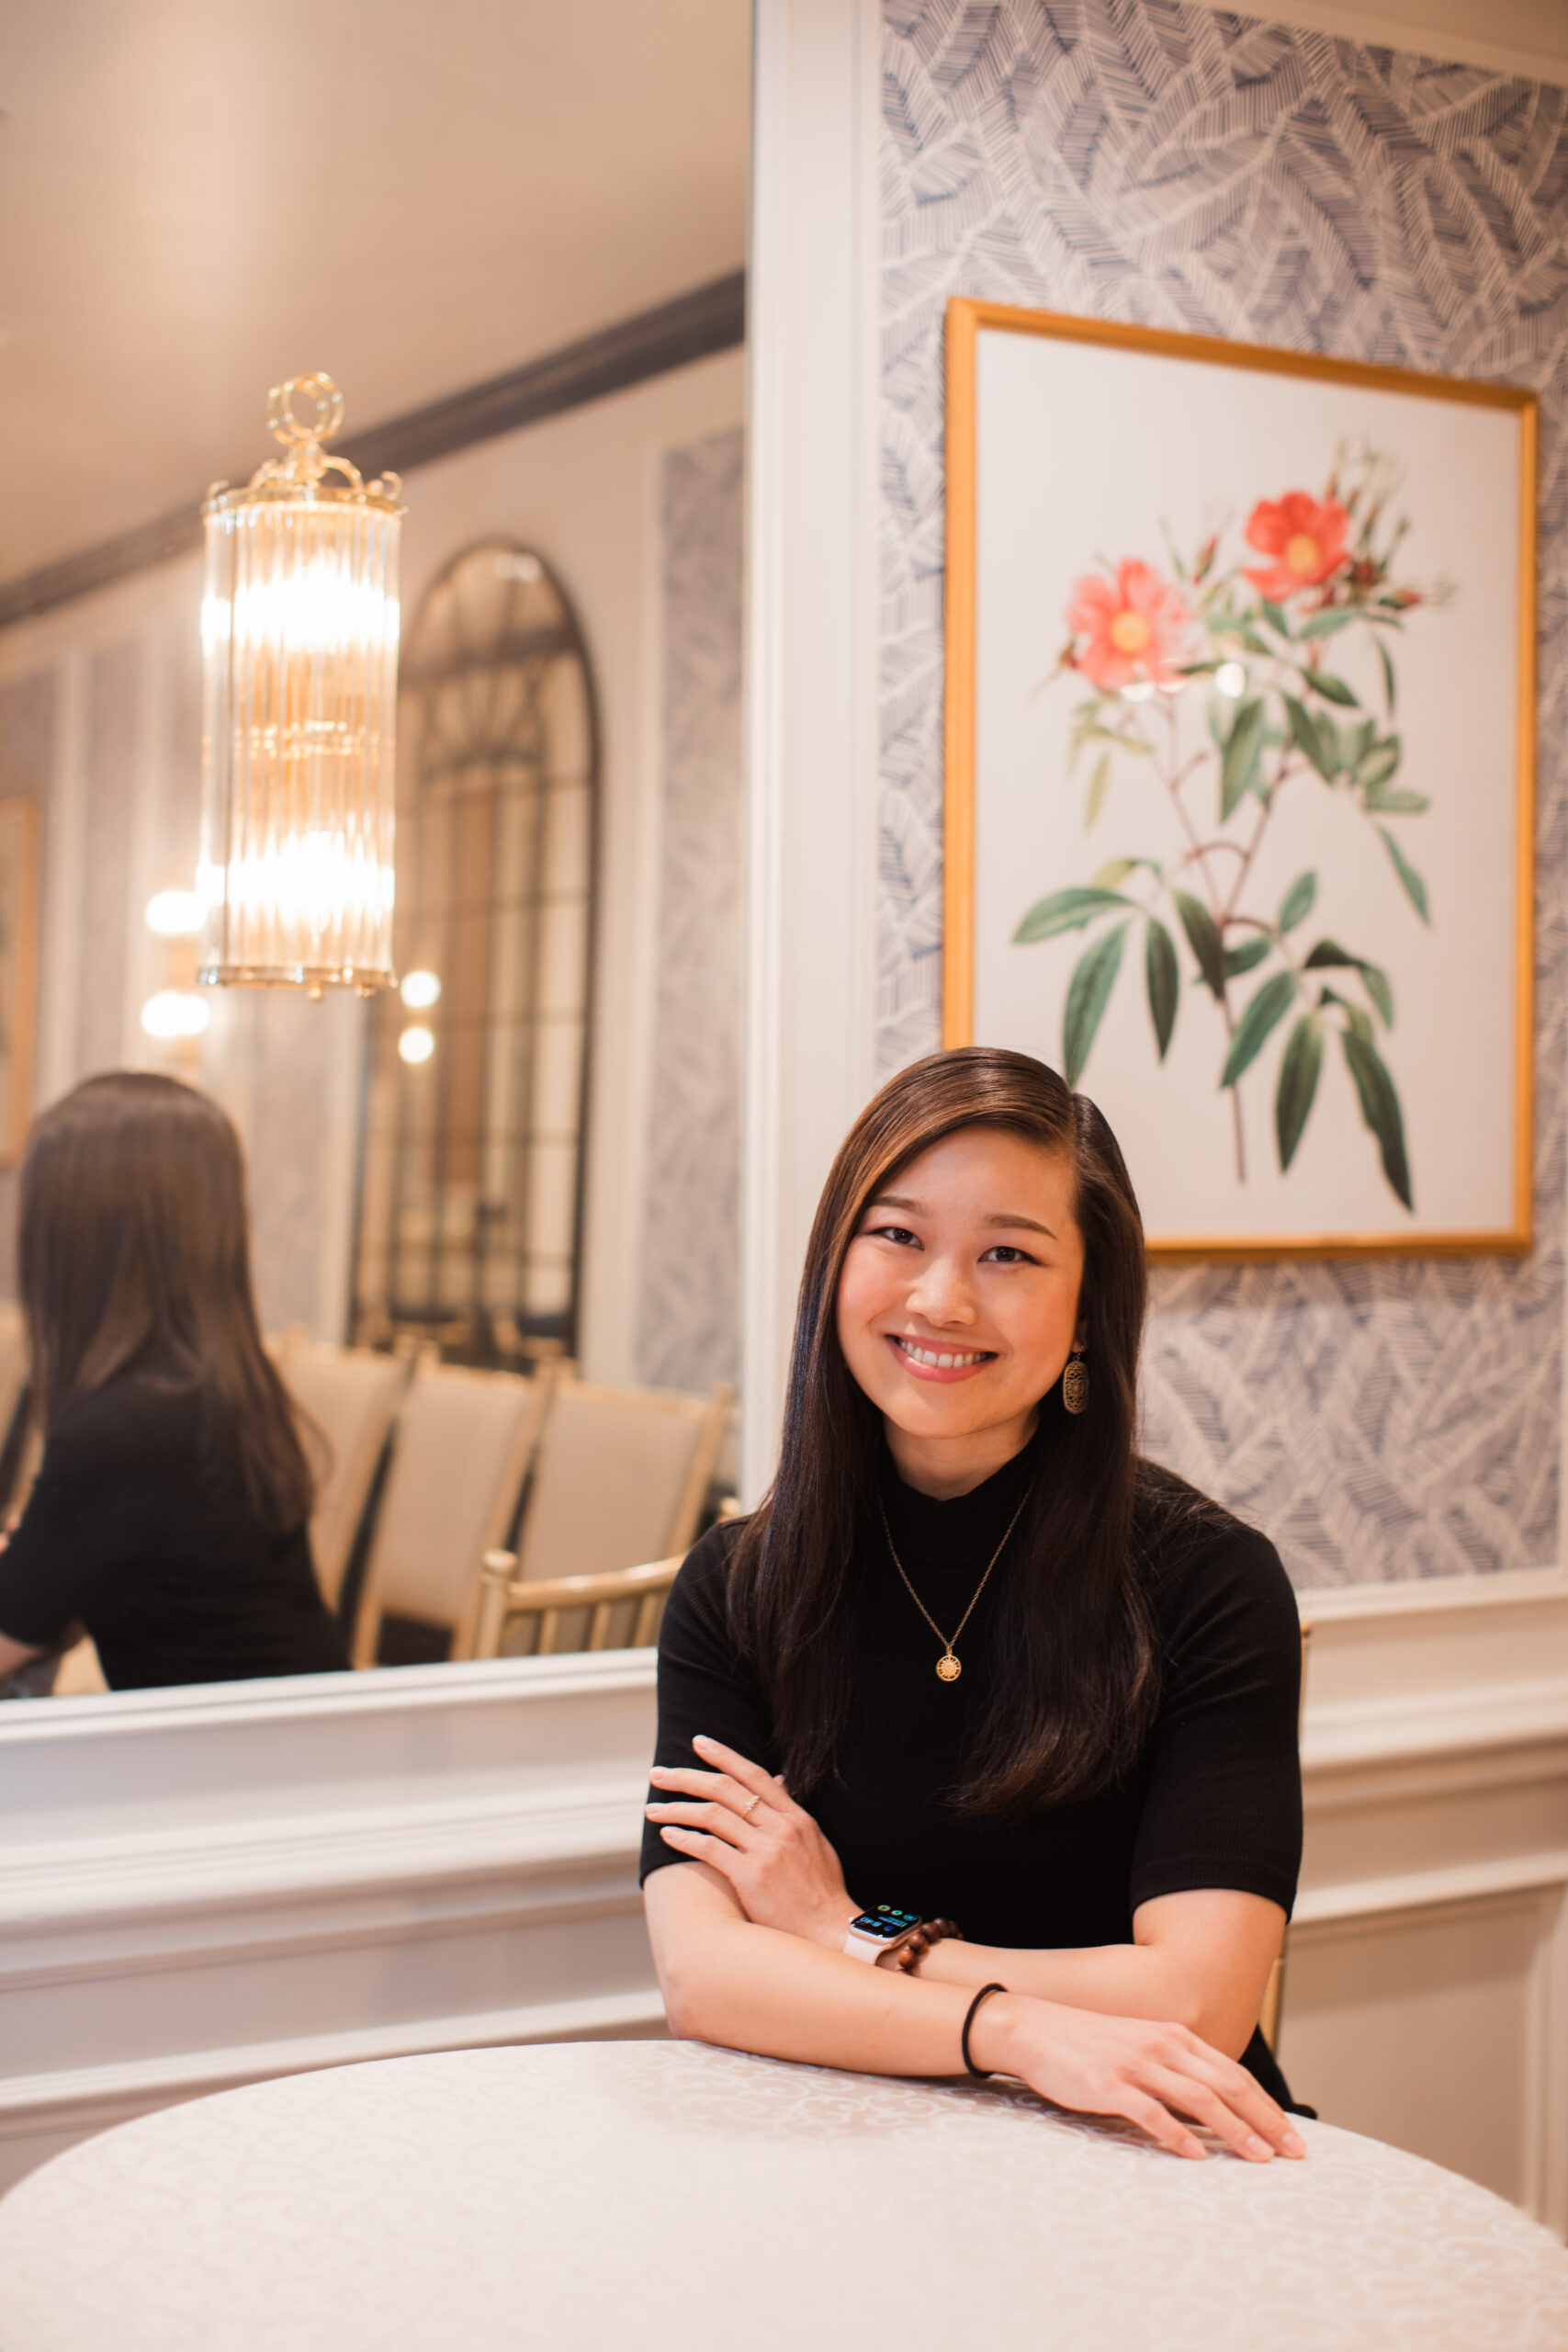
{"points": [[18, 968], [1239, 772]]}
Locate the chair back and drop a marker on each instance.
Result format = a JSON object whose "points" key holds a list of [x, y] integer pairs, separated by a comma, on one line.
{"points": [[463, 1442], [620, 1477], [350, 1395], [619, 1610]]}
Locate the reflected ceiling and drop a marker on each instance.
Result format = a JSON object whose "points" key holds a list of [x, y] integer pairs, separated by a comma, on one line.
{"points": [[197, 200]]}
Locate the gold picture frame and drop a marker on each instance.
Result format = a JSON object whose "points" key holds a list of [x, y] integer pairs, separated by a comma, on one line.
{"points": [[18, 968], [966, 321]]}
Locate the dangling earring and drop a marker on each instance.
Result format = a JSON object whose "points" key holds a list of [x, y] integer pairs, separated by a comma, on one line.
{"points": [[1074, 1380]]}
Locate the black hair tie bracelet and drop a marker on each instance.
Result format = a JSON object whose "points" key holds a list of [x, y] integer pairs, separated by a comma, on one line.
{"points": [[978, 2073]]}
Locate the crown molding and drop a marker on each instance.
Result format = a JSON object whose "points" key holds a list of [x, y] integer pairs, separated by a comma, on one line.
{"points": [[693, 326]]}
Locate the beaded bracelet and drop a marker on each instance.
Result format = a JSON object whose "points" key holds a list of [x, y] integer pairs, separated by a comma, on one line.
{"points": [[907, 1956]]}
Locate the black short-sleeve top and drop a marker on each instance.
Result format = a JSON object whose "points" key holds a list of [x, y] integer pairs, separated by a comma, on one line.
{"points": [[1215, 1800], [135, 1531]]}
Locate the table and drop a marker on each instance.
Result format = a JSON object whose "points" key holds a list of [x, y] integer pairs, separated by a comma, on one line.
{"points": [[654, 2196]]}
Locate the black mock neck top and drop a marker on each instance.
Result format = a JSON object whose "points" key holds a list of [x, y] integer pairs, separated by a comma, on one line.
{"points": [[138, 1531], [1215, 1800]]}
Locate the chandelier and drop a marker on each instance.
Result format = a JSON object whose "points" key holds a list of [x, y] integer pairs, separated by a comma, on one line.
{"points": [[300, 645]]}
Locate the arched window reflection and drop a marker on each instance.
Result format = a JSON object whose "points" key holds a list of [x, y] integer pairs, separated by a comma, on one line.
{"points": [[470, 1194]]}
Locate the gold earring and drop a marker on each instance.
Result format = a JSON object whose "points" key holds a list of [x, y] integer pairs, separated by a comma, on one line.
{"points": [[1074, 1382]]}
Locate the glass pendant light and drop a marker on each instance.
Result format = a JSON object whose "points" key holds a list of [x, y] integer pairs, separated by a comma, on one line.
{"points": [[300, 641]]}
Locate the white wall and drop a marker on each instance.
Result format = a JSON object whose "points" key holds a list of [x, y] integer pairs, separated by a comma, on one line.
{"points": [[120, 815]]}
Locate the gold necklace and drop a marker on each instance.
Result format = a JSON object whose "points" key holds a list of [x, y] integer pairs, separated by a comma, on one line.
{"points": [[947, 1666]]}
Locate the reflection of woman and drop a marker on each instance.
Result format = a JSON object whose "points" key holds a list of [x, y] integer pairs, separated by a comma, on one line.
{"points": [[1014, 1675], [169, 1513]]}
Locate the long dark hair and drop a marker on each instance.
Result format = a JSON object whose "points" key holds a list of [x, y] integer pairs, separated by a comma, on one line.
{"points": [[1078, 1674], [135, 1255]]}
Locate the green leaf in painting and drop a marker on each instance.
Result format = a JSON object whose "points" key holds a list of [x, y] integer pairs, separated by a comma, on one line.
{"points": [[1378, 762], [1204, 938], [1325, 624], [1164, 981], [1246, 959], [1410, 881], [1379, 989], [1329, 955], [1240, 762], [1380, 1109], [1064, 910], [1097, 785], [1387, 675], [1263, 1015], [1299, 1066], [1112, 873], [1308, 736], [1397, 804], [1275, 616], [1332, 689], [1088, 994], [1297, 902]]}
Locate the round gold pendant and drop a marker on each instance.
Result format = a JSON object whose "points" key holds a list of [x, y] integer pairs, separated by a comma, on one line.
{"points": [[948, 1669]]}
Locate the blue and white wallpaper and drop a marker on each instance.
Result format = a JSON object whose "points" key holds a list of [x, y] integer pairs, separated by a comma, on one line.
{"points": [[1163, 164]]}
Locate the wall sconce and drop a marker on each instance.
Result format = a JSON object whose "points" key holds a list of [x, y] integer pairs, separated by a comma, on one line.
{"points": [[299, 642]]}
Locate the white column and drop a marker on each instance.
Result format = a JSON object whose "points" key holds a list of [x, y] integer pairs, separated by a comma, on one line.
{"points": [[812, 744]]}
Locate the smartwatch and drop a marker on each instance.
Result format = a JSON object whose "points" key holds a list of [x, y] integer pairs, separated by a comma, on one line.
{"points": [[881, 1931]]}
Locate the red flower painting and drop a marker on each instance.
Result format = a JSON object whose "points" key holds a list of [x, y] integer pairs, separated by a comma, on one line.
{"points": [[1274, 678], [1305, 535], [1132, 627]]}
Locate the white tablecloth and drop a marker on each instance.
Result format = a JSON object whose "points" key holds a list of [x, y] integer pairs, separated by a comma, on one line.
{"points": [[663, 2198]]}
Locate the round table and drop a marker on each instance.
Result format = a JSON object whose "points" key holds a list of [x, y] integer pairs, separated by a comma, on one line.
{"points": [[660, 2196]]}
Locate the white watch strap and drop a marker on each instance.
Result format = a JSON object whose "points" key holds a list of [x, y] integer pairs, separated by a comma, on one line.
{"points": [[864, 1947]]}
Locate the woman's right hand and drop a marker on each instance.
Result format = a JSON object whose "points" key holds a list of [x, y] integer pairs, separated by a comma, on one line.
{"points": [[1157, 2077]]}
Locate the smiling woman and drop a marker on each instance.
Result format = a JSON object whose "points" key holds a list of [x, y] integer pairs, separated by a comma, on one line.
{"points": [[1099, 1778]]}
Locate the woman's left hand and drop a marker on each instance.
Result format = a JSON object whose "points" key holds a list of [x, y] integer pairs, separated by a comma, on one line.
{"points": [[743, 1822]]}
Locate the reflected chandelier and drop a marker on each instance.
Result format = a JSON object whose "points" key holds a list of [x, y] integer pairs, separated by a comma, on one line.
{"points": [[299, 644]]}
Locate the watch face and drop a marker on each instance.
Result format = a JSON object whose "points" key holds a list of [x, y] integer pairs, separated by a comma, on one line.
{"points": [[885, 1922]]}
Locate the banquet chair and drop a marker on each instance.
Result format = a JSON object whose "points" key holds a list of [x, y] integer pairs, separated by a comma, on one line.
{"points": [[1274, 1992], [350, 1395], [620, 1477], [619, 1609], [461, 1451]]}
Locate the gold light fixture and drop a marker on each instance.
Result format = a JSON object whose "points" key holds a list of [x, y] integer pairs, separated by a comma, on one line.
{"points": [[299, 642]]}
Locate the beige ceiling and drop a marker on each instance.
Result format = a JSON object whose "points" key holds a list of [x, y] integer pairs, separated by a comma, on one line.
{"points": [[200, 196]]}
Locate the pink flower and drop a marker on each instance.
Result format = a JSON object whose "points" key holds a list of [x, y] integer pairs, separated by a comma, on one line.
{"points": [[1305, 535], [1133, 626]]}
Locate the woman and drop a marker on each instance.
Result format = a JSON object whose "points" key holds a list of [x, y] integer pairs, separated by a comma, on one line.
{"points": [[169, 1514], [973, 1661]]}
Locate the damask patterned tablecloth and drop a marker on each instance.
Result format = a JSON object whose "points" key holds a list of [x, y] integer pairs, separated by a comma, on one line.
{"points": [[645, 2195]]}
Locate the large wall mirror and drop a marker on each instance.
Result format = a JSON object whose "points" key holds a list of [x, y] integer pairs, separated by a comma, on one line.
{"points": [[494, 1213]]}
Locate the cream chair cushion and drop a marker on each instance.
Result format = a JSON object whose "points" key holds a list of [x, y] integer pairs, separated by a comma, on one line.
{"points": [[461, 1453], [350, 1395], [620, 1478]]}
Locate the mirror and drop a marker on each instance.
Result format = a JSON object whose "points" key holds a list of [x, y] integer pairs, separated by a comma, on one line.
{"points": [[495, 1218]]}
